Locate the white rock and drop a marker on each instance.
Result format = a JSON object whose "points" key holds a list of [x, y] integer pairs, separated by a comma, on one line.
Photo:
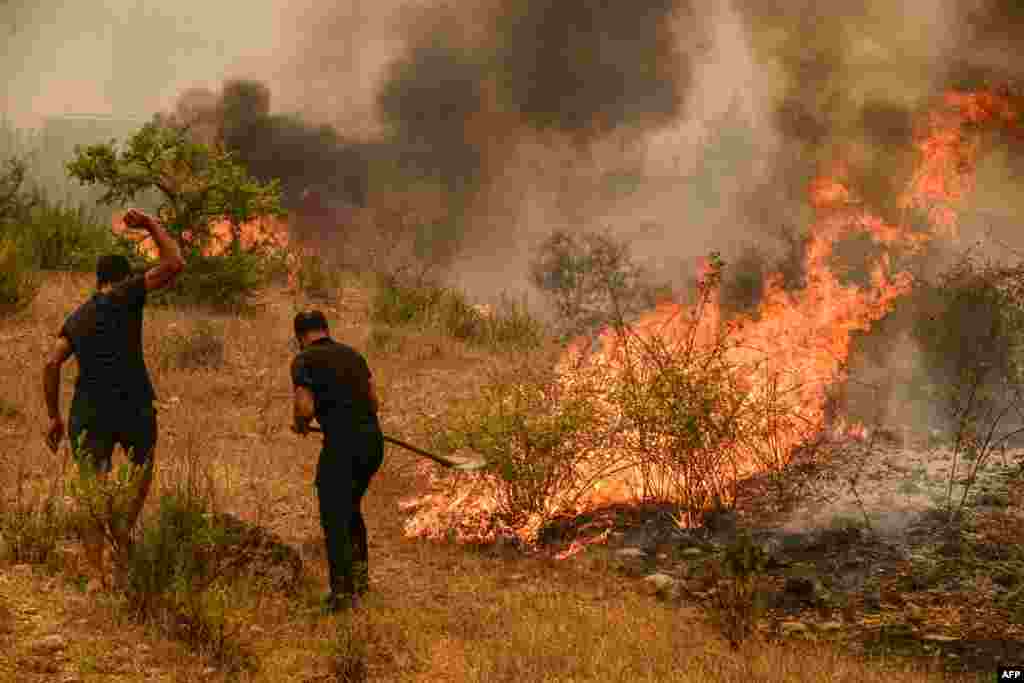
{"points": [[630, 552]]}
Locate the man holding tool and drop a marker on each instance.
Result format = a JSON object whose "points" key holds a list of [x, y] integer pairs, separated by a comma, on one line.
{"points": [[334, 384], [113, 400]]}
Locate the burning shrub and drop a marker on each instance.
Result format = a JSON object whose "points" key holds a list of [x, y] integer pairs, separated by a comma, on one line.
{"points": [[591, 279], [547, 443], [674, 412]]}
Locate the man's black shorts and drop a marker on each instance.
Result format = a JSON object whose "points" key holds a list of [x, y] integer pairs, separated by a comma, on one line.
{"points": [[95, 436]]}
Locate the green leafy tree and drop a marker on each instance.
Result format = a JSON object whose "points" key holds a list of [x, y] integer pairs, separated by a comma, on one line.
{"points": [[198, 184]]}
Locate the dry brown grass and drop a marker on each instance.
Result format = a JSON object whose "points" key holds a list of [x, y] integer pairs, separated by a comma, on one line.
{"points": [[438, 613]]}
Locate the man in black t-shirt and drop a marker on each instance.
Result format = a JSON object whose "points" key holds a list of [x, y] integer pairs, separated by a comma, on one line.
{"points": [[113, 399], [334, 384]]}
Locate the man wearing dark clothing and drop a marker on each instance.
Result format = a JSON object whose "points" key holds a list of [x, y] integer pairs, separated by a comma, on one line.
{"points": [[113, 399], [333, 383]]}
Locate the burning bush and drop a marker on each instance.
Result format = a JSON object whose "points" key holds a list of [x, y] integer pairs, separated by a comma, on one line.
{"points": [[548, 444], [668, 412]]}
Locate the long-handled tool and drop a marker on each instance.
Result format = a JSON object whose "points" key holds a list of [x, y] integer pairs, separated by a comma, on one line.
{"points": [[461, 465]]}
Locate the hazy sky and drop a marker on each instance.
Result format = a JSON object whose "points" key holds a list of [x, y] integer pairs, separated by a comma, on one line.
{"points": [[131, 56]]}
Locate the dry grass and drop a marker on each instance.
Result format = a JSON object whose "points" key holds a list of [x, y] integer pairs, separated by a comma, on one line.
{"points": [[438, 613]]}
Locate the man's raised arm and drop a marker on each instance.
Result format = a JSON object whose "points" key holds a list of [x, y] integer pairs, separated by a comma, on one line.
{"points": [[171, 262]]}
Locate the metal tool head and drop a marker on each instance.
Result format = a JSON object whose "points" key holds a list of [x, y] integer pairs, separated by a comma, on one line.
{"points": [[470, 466]]}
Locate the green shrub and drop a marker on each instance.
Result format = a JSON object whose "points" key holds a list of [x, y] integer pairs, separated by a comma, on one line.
{"points": [[19, 279], [317, 278], [9, 409], [200, 347], [970, 331], [739, 601], [397, 303], [32, 526], [101, 503], [220, 283], [592, 280], [448, 310], [347, 652], [512, 326], [385, 340], [67, 238], [179, 574], [544, 443]]}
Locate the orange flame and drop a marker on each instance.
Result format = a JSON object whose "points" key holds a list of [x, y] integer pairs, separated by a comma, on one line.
{"points": [[802, 336], [806, 335], [269, 233]]}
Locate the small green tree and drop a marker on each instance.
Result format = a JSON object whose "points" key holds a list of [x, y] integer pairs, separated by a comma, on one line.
{"points": [[198, 184], [592, 280]]}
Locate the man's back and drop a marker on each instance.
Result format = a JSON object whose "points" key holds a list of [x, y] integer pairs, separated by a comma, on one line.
{"points": [[106, 335], [339, 378]]}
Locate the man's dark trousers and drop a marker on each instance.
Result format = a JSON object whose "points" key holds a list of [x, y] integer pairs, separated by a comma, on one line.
{"points": [[348, 461]]}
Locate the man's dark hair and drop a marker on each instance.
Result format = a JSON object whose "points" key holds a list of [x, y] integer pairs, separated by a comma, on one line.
{"points": [[309, 321], [112, 268]]}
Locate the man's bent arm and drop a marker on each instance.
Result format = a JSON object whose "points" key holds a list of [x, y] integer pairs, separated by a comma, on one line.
{"points": [[171, 261]]}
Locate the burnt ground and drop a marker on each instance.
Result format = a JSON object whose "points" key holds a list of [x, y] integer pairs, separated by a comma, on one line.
{"points": [[912, 584]]}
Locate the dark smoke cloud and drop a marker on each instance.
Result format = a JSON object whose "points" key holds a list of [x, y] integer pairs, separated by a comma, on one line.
{"points": [[426, 100], [301, 155], [574, 66], [577, 66]]}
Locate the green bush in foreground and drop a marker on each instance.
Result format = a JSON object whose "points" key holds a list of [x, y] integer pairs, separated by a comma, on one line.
{"points": [[178, 574], [32, 528]]}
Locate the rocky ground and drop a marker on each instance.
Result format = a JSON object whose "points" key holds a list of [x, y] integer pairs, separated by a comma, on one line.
{"points": [[909, 584]]}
